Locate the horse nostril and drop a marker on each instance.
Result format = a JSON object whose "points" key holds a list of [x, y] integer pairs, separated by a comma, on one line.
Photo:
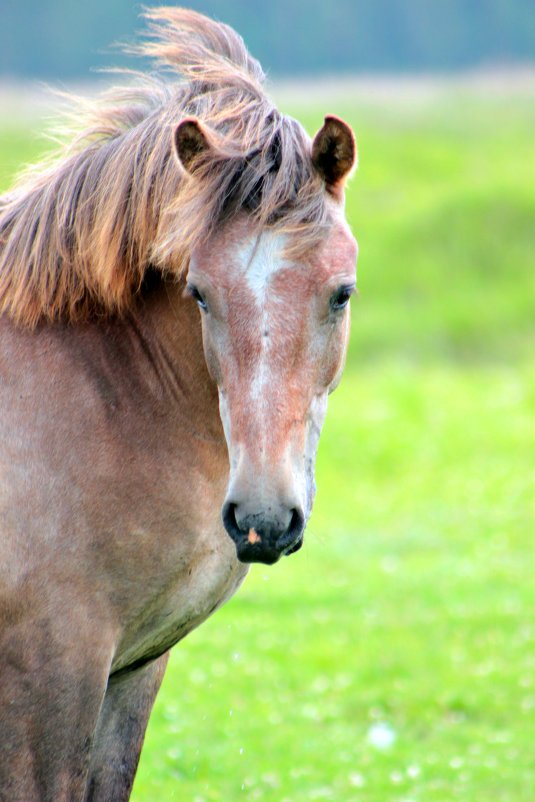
{"points": [[292, 539], [229, 520]]}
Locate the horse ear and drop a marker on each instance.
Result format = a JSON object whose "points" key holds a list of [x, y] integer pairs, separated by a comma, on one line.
{"points": [[190, 141], [334, 151]]}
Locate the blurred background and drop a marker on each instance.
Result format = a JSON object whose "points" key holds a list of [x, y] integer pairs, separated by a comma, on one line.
{"points": [[65, 39], [393, 658]]}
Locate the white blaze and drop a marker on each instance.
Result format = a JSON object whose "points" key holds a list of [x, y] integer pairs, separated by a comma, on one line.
{"points": [[260, 258]]}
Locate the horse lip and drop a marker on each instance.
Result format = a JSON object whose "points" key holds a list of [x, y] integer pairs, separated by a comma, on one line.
{"points": [[248, 552], [294, 547]]}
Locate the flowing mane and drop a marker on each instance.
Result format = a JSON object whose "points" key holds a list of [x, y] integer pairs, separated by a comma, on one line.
{"points": [[78, 233]]}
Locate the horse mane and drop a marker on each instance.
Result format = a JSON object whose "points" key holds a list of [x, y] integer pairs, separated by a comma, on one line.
{"points": [[79, 232]]}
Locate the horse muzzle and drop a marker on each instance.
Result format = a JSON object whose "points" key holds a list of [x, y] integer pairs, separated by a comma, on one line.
{"points": [[263, 537]]}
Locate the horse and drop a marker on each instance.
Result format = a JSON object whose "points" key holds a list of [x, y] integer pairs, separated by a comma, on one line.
{"points": [[174, 289]]}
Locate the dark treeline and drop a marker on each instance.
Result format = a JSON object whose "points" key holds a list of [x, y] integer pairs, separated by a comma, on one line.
{"points": [[66, 38]]}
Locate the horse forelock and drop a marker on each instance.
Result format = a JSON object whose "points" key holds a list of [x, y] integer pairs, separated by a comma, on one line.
{"points": [[78, 233]]}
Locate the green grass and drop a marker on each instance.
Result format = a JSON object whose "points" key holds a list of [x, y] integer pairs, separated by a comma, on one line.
{"points": [[411, 605]]}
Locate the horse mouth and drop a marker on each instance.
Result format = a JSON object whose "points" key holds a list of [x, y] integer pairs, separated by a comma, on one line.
{"points": [[292, 549], [257, 553], [260, 552]]}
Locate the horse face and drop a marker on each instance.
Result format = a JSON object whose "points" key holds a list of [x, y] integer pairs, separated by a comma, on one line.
{"points": [[275, 335]]}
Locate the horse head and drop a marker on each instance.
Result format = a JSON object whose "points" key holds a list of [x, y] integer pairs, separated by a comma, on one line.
{"points": [[275, 329]]}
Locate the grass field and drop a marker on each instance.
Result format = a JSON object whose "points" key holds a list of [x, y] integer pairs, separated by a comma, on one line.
{"points": [[393, 659]]}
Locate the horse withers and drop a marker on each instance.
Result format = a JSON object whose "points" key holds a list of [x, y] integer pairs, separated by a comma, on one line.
{"points": [[174, 293]]}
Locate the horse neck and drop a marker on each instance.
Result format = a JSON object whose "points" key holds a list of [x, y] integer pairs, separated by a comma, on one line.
{"points": [[165, 330]]}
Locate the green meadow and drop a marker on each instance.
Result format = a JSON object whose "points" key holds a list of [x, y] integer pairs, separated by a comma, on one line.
{"points": [[393, 658]]}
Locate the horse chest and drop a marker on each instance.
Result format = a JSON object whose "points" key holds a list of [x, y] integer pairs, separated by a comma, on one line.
{"points": [[191, 589]]}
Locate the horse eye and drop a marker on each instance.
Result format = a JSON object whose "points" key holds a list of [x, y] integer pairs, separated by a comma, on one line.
{"points": [[340, 298], [196, 295]]}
